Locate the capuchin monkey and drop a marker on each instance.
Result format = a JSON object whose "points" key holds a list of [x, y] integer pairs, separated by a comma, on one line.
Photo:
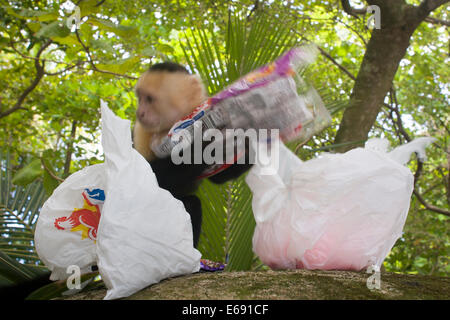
{"points": [[166, 93]]}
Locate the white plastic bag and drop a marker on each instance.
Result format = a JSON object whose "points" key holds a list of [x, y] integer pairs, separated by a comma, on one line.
{"points": [[338, 211], [144, 234], [66, 230]]}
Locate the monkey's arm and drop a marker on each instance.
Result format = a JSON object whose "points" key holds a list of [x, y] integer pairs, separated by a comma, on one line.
{"points": [[232, 172], [182, 179], [178, 179], [236, 169]]}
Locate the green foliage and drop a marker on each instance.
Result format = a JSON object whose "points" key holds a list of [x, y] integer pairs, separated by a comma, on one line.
{"points": [[228, 223], [28, 174], [13, 272], [424, 246], [19, 209]]}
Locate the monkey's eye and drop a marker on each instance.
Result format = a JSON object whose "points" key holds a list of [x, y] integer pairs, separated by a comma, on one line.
{"points": [[149, 99]]}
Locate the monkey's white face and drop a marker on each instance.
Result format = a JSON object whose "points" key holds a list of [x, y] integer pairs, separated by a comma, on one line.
{"points": [[164, 98]]}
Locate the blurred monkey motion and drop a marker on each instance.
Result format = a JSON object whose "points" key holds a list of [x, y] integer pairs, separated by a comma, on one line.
{"points": [[166, 93]]}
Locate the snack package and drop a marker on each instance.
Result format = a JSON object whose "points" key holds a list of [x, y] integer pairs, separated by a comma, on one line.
{"points": [[337, 211], [267, 98], [114, 215]]}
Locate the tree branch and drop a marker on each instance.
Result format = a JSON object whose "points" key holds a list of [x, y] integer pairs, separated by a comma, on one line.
{"points": [[326, 55], [255, 7], [54, 176], [419, 196], [39, 74], [64, 70], [91, 60], [354, 31], [100, 3], [329, 57], [431, 5], [448, 177], [70, 149], [438, 21], [429, 206], [398, 125], [427, 6], [350, 10]]}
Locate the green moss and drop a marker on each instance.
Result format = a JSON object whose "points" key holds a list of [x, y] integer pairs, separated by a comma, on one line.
{"points": [[293, 284]]}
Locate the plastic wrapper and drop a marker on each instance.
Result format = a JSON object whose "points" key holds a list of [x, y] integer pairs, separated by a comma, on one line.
{"points": [[116, 216], [338, 211], [271, 97]]}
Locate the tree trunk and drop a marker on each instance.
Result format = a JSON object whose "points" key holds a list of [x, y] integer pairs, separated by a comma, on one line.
{"points": [[385, 50]]}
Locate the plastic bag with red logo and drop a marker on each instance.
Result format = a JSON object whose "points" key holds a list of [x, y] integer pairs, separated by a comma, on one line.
{"points": [[145, 234], [114, 215], [66, 230], [338, 211]]}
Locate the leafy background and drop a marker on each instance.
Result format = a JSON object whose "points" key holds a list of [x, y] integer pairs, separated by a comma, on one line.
{"points": [[52, 78]]}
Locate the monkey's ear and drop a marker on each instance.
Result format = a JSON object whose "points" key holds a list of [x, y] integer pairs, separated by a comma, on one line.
{"points": [[198, 88], [140, 83]]}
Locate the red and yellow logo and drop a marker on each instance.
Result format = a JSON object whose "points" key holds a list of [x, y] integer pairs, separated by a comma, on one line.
{"points": [[85, 219]]}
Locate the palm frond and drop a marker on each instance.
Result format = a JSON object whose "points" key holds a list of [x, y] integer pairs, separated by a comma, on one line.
{"points": [[241, 226], [214, 207], [222, 56], [58, 289], [19, 209]]}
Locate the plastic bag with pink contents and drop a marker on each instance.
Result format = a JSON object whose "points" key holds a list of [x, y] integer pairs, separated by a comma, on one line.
{"points": [[338, 211]]}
